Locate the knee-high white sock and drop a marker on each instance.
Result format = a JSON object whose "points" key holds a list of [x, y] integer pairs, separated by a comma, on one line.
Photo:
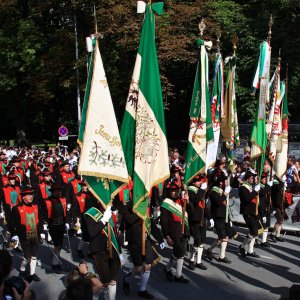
{"points": [[110, 292], [215, 244], [223, 249], [179, 267], [55, 260], [199, 254], [144, 280], [32, 265], [80, 245], [264, 236], [171, 263], [251, 245], [246, 243], [278, 230], [193, 253], [23, 265]]}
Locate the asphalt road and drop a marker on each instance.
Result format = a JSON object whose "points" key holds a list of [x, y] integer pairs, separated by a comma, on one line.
{"points": [[268, 277]]}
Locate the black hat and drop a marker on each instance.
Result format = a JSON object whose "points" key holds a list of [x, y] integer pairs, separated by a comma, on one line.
{"points": [[198, 177], [264, 175], [249, 173], [27, 190], [46, 171]]}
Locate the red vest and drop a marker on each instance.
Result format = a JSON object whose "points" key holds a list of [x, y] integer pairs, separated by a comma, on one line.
{"points": [[67, 177], [75, 183], [81, 201], [8, 190], [43, 190], [50, 209], [29, 217]]}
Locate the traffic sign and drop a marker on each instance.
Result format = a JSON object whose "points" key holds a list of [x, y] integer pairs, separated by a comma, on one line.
{"points": [[63, 131]]}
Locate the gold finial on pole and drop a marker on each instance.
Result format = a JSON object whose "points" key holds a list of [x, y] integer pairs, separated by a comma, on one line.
{"points": [[234, 41], [270, 29], [218, 40], [201, 27]]}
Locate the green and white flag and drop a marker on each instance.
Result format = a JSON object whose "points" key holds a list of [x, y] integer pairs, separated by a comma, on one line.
{"points": [[143, 131], [217, 108], [201, 127], [102, 160], [259, 134]]}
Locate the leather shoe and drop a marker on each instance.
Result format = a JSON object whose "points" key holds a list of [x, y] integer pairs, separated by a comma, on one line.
{"points": [[33, 277], [253, 254], [145, 294], [126, 286], [56, 269], [192, 265], [181, 279], [242, 251], [201, 266], [224, 260], [266, 245], [169, 274], [279, 239], [209, 255], [273, 238]]}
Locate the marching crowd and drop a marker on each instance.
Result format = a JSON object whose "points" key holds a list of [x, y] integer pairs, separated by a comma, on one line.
{"points": [[43, 196]]}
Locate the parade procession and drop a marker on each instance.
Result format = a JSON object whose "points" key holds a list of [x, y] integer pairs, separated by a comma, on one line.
{"points": [[125, 214]]}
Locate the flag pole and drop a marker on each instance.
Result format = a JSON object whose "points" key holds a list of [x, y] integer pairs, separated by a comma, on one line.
{"points": [[143, 238]]}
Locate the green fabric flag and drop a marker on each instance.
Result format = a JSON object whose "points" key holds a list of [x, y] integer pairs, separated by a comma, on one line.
{"points": [[259, 136], [143, 131], [102, 160], [201, 127]]}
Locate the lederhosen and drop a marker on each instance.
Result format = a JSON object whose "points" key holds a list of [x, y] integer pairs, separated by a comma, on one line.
{"points": [[133, 225], [248, 207], [56, 212], [277, 201], [172, 226], [26, 226], [197, 212], [107, 268], [218, 211], [264, 204]]}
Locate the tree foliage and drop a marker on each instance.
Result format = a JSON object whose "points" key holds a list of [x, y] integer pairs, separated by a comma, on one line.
{"points": [[38, 62]]}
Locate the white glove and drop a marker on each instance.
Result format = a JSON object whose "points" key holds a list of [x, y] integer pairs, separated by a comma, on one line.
{"points": [[264, 219], [162, 245], [67, 226], [43, 236], [283, 178], [2, 215], [225, 172], [273, 213], [68, 206], [107, 215], [227, 189], [122, 259], [211, 223], [257, 188], [204, 186], [45, 227], [15, 238], [270, 183]]}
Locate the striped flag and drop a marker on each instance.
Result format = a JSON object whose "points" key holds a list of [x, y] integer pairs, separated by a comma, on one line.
{"points": [[217, 108], [102, 160], [201, 127], [143, 131], [261, 81]]}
